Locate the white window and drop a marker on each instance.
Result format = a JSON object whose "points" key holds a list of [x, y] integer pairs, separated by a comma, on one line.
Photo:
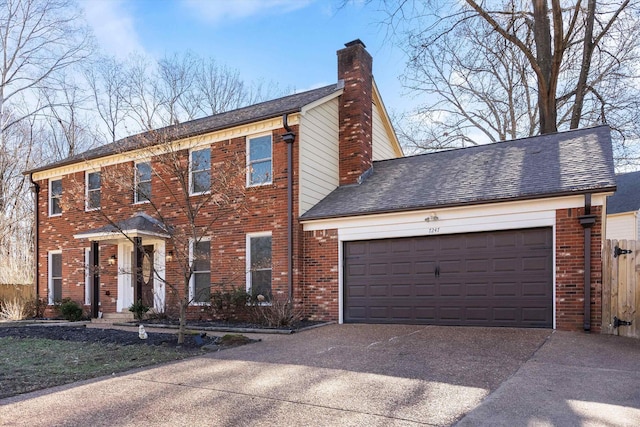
{"points": [[259, 160], [93, 191], [200, 289], [259, 265], [87, 276], [143, 182], [200, 171], [55, 196], [55, 276]]}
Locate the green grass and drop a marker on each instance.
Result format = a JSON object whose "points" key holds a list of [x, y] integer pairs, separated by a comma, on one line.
{"points": [[33, 364]]}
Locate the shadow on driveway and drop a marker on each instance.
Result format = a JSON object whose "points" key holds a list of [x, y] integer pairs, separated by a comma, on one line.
{"points": [[373, 375]]}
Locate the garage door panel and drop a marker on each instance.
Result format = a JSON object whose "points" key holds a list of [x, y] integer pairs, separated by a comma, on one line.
{"points": [[535, 289], [485, 279], [401, 268]]}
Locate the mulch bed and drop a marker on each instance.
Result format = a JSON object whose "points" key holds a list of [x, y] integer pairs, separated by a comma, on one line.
{"points": [[105, 336]]}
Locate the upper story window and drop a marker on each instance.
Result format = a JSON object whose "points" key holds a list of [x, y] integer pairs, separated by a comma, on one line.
{"points": [[143, 182], [55, 196], [259, 160], [200, 171], [93, 190]]}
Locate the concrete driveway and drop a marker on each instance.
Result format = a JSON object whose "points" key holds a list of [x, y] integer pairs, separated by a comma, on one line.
{"points": [[373, 375]]}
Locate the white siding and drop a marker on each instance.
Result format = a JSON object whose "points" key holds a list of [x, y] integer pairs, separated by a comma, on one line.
{"points": [[622, 226], [319, 170], [382, 145]]}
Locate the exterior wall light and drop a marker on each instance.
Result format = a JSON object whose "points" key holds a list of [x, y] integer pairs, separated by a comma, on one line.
{"points": [[112, 260], [169, 256]]}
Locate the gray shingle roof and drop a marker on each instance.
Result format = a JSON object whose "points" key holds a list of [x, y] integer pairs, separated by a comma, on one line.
{"points": [[627, 196], [139, 223], [577, 161], [252, 113]]}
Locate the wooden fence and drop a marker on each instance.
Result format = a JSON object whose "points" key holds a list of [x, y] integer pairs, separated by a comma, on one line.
{"points": [[620, 291], [9, 292]]}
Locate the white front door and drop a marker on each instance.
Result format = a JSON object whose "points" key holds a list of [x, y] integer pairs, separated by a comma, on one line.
{"points": [[125, 278]]}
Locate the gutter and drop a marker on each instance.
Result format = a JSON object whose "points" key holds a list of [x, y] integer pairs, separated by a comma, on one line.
{"points": [[35, 187], [289, 138]]}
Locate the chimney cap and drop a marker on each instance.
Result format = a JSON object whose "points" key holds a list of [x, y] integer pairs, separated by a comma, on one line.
{"points": [[355, 43]]}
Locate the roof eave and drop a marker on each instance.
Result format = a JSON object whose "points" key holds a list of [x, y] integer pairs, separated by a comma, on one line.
{"points": [[461, 204], [169, 139]]}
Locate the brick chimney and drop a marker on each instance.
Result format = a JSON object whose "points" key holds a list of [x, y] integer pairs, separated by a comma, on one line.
{"points": [[355, 112]]}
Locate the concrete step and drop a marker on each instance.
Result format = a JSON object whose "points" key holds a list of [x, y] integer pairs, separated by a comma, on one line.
{"points": [[114, 317]]}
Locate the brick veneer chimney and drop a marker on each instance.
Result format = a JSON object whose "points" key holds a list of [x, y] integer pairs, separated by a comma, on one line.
{"points": [[355, 150]]}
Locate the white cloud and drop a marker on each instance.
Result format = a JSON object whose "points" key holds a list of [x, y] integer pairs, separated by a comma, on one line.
{"points": [[113, 26], [217, 11]]}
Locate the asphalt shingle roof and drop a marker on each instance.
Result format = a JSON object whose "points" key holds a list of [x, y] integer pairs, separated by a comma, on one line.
{"points": [[252, 113], [577, 161], [627, 196], [140, 223]]}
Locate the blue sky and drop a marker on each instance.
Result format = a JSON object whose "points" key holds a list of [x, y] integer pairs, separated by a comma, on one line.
{"points": [[290, 42]]}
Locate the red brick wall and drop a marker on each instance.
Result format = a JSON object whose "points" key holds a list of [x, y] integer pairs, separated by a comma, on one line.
{"points": [[320, 275], [355, 112], [570, 270], [257, 209]]}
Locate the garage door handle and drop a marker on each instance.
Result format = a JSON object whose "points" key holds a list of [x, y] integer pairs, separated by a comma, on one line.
{"points": [[437, 272]]}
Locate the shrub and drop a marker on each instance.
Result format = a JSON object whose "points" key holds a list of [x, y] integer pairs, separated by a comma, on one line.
{"points": [[139, 309], [278, 312], [230, 305], [70, 310], [15, 309], [35, 307]]}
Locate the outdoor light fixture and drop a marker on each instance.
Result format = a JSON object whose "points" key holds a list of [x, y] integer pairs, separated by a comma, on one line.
{"points": [[169, 256], [112, 260]]}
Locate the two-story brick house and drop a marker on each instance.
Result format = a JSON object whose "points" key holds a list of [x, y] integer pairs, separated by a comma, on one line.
{"points": [[332, 215]]}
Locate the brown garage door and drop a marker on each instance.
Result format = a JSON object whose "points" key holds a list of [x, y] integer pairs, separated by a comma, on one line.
{"points": [[501, 278]]}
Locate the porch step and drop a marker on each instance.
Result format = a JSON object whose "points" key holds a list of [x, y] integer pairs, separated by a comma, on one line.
{"points": [[114, 317]]}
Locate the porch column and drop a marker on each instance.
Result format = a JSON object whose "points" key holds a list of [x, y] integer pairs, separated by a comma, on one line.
{"points": [[138, 254], [95, 279]]}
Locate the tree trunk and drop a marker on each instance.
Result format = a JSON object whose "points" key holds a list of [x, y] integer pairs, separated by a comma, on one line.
{"points": [[544, 57], [587, 52], [184, 303]]}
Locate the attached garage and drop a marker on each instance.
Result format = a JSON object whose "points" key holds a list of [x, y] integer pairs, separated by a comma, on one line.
{"points": [[505, 234], [500, 278]]}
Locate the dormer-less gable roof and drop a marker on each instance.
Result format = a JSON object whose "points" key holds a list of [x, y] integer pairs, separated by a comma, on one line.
{"points": [[627, 196], [254, 113], [574, 162]]}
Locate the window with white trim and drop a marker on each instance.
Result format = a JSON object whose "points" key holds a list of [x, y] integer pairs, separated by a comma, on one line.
{"points": [[55, 276], [93, 190], [259, 154], [200, 171], [200, 289], [259, 265], [55, 197], [143, 182]]}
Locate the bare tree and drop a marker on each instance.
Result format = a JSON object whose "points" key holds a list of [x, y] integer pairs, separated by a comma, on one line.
{"points": [[485, 67], [39, 39], [106, 81], [186, 220]]}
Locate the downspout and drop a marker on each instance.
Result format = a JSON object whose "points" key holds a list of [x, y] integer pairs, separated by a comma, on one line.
{"points": [[35, 187], [587, 221], [289, 138]]}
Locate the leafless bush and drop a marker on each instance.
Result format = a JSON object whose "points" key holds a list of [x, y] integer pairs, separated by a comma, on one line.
{"points": [[278, 313], [14, 309]]}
